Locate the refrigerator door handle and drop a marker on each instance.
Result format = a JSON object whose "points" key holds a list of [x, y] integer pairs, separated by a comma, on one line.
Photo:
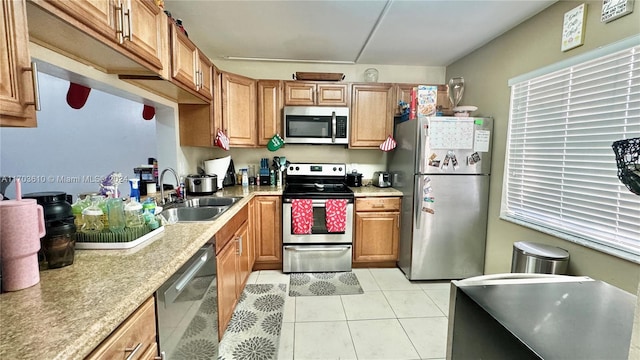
{"points": [[417, 201]]}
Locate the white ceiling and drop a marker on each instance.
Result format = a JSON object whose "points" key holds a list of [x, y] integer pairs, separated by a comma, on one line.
{"points": [[391, 32]]}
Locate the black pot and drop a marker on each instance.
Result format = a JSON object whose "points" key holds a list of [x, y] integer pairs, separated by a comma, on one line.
{"points": [[354, 179], [53, 203]]}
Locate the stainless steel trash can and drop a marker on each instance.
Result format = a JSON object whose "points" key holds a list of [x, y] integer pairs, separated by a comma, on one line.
{"points": [[530, 257]]}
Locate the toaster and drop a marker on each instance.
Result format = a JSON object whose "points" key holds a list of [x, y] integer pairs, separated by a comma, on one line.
{"points": [[381, 179]]}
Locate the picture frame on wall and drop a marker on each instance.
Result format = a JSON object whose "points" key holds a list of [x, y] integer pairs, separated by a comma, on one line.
{"points": [[614, 9], [573, 27]]}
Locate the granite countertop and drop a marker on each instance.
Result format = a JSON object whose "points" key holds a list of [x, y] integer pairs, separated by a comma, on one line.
{"points": [[371, 191], [73, 309]]}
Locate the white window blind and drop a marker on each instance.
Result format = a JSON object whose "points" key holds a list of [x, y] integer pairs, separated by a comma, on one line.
{"points": [[560, 169]]}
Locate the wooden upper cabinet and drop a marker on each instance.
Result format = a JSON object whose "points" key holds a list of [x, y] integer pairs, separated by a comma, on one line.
{"points": [[403, 92], [269, 110], [189, 66], [206, 75], [333, 94], [17, 91], [372, 113], [147, 25], [302, 93], [239, 109], [137, 29]]}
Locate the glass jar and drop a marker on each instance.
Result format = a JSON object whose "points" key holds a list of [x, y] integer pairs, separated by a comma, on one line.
{"points": [[371, 75], [58, 245]]}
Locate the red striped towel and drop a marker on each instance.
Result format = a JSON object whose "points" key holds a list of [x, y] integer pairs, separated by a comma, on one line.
{"points": [[336, 215], [301, 216]]}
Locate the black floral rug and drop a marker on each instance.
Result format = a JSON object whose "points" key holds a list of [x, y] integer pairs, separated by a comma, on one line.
{"points": [[254, 330], [328, 283]]}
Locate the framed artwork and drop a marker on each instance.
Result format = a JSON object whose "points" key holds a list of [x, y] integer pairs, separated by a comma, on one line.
{"points": [[613, 9], [573, 27]]}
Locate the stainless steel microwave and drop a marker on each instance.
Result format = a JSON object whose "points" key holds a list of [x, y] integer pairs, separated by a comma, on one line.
{"points": [[316, 125]]}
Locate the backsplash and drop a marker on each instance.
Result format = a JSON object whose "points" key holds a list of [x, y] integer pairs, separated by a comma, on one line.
{"points": [[365, 161]]}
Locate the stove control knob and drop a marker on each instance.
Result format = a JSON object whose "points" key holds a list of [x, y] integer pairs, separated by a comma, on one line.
{"points": [[334, 168], [290, 168], [297, 168], [340, 169]]}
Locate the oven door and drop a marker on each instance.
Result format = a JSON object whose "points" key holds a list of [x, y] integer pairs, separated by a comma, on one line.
{"points": [[319, 233], [316, 258]]}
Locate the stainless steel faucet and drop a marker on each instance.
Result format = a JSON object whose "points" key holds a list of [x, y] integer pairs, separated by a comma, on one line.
{"points": [[162, 183]]}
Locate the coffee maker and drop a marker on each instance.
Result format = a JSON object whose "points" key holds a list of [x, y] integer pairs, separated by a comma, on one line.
{"points": [[146, 176]]}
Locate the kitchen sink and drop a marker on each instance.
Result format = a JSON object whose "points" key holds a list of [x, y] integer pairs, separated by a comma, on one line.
{"points": [[198, 209], [191, 214], [212, 201]]}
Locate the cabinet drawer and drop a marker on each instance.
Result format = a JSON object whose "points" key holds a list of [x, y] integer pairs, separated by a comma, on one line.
{"points": [[224, 235], [378, 204], [138, 331]]}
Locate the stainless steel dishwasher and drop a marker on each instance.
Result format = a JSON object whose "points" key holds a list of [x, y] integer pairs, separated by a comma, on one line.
{"points": [[187, 309]]}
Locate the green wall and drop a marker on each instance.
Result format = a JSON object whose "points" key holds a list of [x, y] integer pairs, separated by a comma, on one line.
{"points": [[532, 45]]}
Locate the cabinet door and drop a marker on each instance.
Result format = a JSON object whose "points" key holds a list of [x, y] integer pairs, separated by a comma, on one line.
{"points": [[252, 234], [16, 88], [184, 59], [376, 236], [268, 232], [139, 330], [299, 93], [403, 93], [371, 114], [239, 109], [98, 15], [269, 110], [333, 94], [243, 251], [217, 100], [146, 26], [226, 261], [204, 72]]}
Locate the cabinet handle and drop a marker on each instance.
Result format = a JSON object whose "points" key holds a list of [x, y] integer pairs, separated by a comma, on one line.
{"points": [[133, 351], [36, 91], [239, 251], [120, 28], [377, 206], [129, 22]]}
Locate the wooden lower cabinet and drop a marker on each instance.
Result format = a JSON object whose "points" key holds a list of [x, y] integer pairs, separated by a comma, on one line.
{"points": [[268, 232], [226, 263], [135, 338], [377, 230], [233, 247]]}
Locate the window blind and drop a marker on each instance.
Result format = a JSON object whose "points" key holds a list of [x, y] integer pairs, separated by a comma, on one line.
{"points": [[560, 169]]}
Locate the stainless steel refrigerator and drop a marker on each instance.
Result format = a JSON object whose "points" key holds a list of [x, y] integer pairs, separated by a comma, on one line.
{"points": [[442, 166]]}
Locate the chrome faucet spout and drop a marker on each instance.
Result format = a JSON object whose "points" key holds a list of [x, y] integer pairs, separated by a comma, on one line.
{"points": [[162, 183]]}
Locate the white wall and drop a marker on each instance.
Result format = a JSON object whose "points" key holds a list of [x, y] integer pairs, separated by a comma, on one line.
{"points": [[70, 146]]}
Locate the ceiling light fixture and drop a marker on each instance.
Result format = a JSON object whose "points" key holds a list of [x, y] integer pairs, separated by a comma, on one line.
{"points": [[288, 60]]}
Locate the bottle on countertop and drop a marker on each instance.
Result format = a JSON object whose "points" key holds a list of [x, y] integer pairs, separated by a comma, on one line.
{"points": [[245, 177]]}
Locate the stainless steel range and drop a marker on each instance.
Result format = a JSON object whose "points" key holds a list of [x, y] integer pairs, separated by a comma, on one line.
{"points": [[317, 219]]}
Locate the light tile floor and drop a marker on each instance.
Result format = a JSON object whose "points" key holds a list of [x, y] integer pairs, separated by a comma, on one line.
{"points": [[394, 319]]}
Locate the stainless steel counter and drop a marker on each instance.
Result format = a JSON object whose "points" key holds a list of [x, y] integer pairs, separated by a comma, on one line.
{"points": [[549, 320]]}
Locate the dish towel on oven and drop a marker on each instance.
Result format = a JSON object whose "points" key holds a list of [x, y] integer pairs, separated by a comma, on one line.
{"points": [[336, 215], [301, 216]]}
